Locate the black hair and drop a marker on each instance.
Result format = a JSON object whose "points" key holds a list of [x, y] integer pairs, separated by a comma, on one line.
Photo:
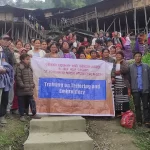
{"points": [[54, 43], [105, 49], [93, 51], [37, 40], [137, 53], [29, 44], [100, 42], [43, 41], [83, 54], [19, 41], [74, 48], [121, 53], [23, 56], [81, 50]]}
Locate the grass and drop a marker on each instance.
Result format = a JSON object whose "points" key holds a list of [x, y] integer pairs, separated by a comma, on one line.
{"points": [[141, 135], [13, 135]]}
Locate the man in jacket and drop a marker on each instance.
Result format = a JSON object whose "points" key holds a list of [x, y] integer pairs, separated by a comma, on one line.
{"points": [[140, 85]]}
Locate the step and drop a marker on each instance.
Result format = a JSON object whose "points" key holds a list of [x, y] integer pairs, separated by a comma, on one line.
{"points": [[58, 124], [59, 141]]}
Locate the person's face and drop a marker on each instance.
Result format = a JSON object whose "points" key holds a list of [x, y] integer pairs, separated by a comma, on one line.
{"points": [[115, 33], [96, 45], [75, 37], [5, 42], [27, 60], [44, 46], [11, 47], [138, 58], [19, 45], [109, 43], [32, 41], [70, 34], [64, 38], [37, 44], [93, 55], [101, 35], [65, 45], [82, 56], [106, 54], [60, 41], [107, 34], [119, 57], [112, 51], [96, 35], [74, 51], [27, 47], [85, 39], [88, 50], [23, 52], [54, 49], [118, 49]]}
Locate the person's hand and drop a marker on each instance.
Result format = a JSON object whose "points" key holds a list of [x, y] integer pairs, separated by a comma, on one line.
{"points": [[129, 92], [117, 73], [2, 71], [113, 80]]}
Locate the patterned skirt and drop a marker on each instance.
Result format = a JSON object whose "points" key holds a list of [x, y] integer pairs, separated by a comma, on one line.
{"points": [[121, 96]]}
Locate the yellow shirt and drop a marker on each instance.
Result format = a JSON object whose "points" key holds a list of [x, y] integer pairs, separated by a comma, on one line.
{"points": [[88, 56]]}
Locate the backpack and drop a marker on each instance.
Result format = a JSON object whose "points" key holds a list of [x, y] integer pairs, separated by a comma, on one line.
{"points": [[128, 119]]}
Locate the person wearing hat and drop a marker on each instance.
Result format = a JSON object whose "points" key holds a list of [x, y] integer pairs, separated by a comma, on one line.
{"points": [[6, 41], [121, 84], [6, 83]]}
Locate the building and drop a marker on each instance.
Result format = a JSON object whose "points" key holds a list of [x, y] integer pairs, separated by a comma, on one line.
{"points": [[22, 23], [110, 15]]}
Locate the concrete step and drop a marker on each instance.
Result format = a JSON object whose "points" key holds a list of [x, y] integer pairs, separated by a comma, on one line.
{"points": [[59, 141], [58, 124]]}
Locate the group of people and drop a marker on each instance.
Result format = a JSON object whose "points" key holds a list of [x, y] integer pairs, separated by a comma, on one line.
{"points": [[16, 88]]}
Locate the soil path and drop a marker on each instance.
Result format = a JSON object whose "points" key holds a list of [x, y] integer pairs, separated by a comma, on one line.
{"points": [[108, 136]]}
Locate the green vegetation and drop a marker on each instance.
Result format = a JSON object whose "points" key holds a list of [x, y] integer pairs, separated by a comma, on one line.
{"points": [[13, 135], [49, 3], [142, 136]]}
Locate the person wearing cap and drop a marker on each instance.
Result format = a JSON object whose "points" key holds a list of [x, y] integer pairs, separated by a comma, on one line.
{"points": [[6, 83], [7, 52], [140, 88]]}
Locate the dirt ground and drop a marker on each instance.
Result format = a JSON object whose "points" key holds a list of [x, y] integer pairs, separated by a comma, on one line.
{"points": [[108, 135]]}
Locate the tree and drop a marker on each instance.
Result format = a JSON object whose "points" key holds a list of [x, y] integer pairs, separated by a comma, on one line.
{"points": [[69, 3], [19, 3], [6, 2]]}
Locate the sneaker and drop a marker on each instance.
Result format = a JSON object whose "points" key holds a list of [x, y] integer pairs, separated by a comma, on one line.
{"points": [[15, 112], [9, 115], [22, 119], [36, 117], [3, 120]]}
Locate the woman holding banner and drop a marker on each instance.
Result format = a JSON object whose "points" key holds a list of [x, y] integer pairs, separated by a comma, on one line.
{"points": [[121, 84], [53, 51]]}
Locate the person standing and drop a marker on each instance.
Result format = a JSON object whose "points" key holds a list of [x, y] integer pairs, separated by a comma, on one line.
{"points": [[25, 86], [140, 84], [121, 84], [37, 52]]}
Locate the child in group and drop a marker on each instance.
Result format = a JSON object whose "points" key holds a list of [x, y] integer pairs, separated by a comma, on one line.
{"points": [[93, 54], [25, 86], [112, 50], [82, 56]]}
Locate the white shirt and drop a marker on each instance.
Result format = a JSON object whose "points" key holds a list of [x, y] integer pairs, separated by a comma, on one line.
{"points": [[94, 41], [118, 69]]}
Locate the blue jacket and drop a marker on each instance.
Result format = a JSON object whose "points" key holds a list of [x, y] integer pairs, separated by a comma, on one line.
{"points": [[7, 79]]}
